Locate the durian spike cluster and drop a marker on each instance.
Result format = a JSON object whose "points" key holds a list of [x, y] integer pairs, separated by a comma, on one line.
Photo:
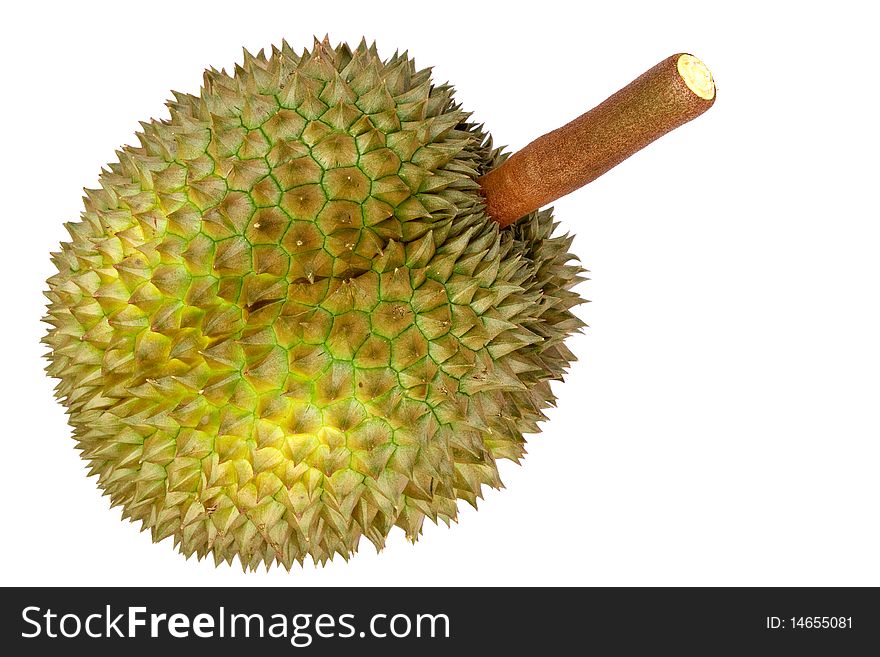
{"points": [[285, 322]]}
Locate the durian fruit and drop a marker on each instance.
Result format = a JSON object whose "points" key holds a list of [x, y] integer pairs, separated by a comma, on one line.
{"points": [[285, 320]]}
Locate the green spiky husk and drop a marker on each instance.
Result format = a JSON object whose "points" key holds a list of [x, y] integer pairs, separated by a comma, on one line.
{"points": [[284, 321]]}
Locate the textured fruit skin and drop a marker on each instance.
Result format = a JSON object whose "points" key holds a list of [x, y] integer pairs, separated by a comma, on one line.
{"points": [[284, 321]]}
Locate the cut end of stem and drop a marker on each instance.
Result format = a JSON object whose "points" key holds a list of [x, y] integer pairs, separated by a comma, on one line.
{"points": [[696, 76]]}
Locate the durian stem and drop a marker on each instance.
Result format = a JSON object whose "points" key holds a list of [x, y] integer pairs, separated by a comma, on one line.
{"points": [[676, 90]]}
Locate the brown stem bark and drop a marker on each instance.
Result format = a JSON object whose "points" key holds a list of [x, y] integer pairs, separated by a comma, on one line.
{"points": [[569, 157]]}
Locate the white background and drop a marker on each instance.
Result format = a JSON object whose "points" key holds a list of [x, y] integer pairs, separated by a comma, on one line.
{"points": [[721, 425]]}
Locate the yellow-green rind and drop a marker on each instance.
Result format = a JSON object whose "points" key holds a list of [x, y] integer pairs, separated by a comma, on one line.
{"points": [[284, 321]]}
